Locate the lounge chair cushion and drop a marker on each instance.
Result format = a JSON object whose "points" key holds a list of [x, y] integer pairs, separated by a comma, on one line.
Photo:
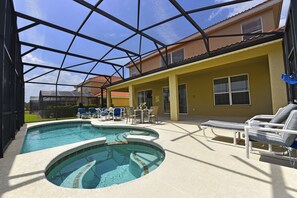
{"points": [[284, 114], [224, 125], [283, 139], [268, 138], [291, 124]]}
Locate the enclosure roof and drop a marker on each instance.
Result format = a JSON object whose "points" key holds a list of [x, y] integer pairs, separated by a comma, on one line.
{"points": [[97, 38], [229, 20], [253, 41]]}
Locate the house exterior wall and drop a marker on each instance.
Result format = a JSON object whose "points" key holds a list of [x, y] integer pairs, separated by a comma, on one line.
{"points": [[200, 94], [120, 102], [263, 63], [197, 47]]}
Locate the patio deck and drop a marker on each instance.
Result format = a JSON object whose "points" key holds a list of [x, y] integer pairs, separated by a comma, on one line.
{"points": [[193, 167]]}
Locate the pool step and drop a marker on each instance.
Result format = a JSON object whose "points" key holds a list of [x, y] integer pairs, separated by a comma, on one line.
{"points": [[140, 163], [75, 178]]}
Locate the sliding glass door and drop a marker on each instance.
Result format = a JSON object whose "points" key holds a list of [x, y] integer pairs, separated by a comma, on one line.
{"points": [[166, 103], [147, 97], [182, 98]]}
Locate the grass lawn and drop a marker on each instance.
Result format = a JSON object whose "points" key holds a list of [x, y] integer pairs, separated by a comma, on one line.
{"points": [[35, 118]]}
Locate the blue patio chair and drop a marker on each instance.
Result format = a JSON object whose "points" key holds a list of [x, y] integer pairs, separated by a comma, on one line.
{"points": [[98, 112], [92, 111], [107, 112], [81, 113], [117, 113]]}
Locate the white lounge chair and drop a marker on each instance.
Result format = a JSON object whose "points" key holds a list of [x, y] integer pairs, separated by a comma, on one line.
{"points": [[273, 134], [238, 128]]}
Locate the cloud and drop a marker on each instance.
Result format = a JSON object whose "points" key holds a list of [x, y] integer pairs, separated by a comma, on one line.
{"points": [[214, 14], [29, 58], [238, 8], [167, 30], [234, 9], [33, 8], [65, 78]]}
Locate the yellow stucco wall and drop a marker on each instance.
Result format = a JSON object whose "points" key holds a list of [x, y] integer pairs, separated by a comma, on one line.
{"points": [[120, 102], [200, 90], [263, 63], [201, 96]]}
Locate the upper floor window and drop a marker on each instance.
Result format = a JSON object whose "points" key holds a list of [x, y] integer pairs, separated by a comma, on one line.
{"points": [[232, 90], [163, 64], [178, 55], [253, 26], [133, 71], [174, 57]]}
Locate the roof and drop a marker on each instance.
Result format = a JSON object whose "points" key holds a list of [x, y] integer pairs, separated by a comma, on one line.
{"points": [[213, 26], [242, 44], [75, 94], [34, 98], [226, 49], [102, 80]]}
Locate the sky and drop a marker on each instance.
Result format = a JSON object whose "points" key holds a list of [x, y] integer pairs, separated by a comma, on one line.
{"points": [[69, 14]]}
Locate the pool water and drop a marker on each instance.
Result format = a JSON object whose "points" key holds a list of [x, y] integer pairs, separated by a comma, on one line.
{"points": [[105, 165], [58, 134]]}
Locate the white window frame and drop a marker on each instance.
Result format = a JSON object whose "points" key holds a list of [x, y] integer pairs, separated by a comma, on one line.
{"points": [[261, 19], [230, 91], [171, 59]]}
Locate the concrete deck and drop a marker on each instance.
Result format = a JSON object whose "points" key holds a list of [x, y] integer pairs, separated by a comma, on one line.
{"points": [[193, 167]]}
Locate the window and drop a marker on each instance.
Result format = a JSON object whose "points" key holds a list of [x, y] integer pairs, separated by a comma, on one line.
{"points": [[145, 96], [174, 57], [133, 71], [178, 56], [253, 26], [169, 60], [232, 90]]}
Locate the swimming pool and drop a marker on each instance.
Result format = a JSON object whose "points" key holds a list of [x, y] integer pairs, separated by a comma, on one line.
{"points": [[58, 134], [105, 165]]}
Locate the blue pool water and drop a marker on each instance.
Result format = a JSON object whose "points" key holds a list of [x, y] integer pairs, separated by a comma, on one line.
{"points": [[105, 165], [58, 134]]}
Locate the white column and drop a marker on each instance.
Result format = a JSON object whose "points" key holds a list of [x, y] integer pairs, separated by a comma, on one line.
{"points": [[173, 97]]}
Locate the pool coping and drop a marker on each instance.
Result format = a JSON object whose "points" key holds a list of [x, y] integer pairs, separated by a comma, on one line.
{"points": [[175, 177], [94, 123]]}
